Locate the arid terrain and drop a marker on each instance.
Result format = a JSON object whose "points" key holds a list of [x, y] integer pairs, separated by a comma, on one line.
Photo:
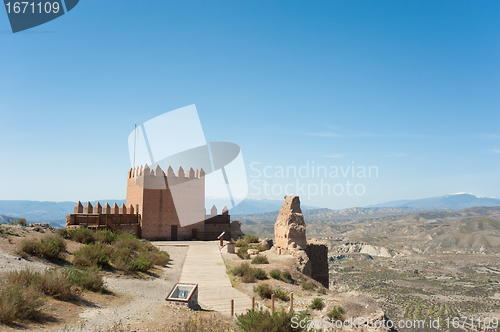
{"points": [[131, 302], [415, 265], [410, 267]]}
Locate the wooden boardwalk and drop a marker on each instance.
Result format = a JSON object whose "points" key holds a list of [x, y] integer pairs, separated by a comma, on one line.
{"points": [[204, 266]]}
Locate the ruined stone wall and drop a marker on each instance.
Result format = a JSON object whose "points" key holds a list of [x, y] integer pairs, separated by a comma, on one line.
{"points": [[290, 237], [318, 256]]}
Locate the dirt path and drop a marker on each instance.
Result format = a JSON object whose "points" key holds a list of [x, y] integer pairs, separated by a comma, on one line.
{"points": [[10, 262], [142, 304]]}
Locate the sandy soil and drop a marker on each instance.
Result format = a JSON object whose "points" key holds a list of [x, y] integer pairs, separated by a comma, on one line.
{"points": [[140, 302], [132, 304]]}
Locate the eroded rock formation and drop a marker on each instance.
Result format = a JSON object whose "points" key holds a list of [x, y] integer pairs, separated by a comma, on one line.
{"points": [[290, 228], [290, 237]]}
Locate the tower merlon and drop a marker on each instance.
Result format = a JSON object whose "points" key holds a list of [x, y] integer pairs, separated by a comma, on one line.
{"points": [[88, 208]]}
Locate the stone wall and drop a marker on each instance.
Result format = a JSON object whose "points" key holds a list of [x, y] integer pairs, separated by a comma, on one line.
{"points": [[318, 256]]}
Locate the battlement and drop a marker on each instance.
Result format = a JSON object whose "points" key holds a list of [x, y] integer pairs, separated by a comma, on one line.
{"points": [[98, 209], [119, 219], [158, 172]]}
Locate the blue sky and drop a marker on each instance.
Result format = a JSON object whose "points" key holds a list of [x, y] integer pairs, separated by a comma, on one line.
{"points": [[411, 87]]}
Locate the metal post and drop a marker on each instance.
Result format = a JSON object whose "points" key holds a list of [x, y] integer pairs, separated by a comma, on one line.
{"points": [[291, 302], [272, 304], [232, 308]]}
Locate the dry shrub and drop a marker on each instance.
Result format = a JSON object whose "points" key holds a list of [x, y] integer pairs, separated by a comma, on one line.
{"points": [[243, 253], [50, 247], [105, 236], [93, 255], [19, 303], [161, 258], [200, 324], [51, 282], [260, 259], [88, 278], [275, 274], [281, 294], [308, 286], [264, 321], [263, 290], [316, 304], [58, 285]]}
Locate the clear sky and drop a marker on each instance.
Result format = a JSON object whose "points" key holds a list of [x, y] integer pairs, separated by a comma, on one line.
{"points": [[410, 87]]}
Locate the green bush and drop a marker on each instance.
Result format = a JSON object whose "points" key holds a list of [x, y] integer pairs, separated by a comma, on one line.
{"points": [[264, 321], [241, 270], [336, 313], [308, 286], [105, 236], [243, 253], [63, 232], [251, 238], [286, 276], [241, 242], [259, 274], [260, 259], [317, 303], [263, 290], [248, 278], [281, 294], [248, 274], [275, 274], [93, 255], [82, 235], [143, 262], [18, 221], [88, 278], [50, 246]]}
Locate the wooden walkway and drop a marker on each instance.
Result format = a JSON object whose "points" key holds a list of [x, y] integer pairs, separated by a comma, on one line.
{"points": [[204, 266]]}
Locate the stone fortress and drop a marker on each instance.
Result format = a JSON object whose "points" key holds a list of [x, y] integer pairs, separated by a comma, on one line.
{"points": [[150, 212]]}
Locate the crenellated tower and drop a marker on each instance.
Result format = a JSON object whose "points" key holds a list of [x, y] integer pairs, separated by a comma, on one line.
{"points": [[171, 205]]}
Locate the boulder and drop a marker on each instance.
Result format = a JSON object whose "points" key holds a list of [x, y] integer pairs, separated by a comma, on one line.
{"points": [[268, 243]]}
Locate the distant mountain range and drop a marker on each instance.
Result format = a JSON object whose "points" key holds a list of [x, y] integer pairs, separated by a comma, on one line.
{"points": [[452, 202], [253, 205], [47, 212], [252, 209]]}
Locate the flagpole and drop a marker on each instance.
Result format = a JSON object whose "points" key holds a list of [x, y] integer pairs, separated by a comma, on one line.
{"points": [[135, 136]]}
